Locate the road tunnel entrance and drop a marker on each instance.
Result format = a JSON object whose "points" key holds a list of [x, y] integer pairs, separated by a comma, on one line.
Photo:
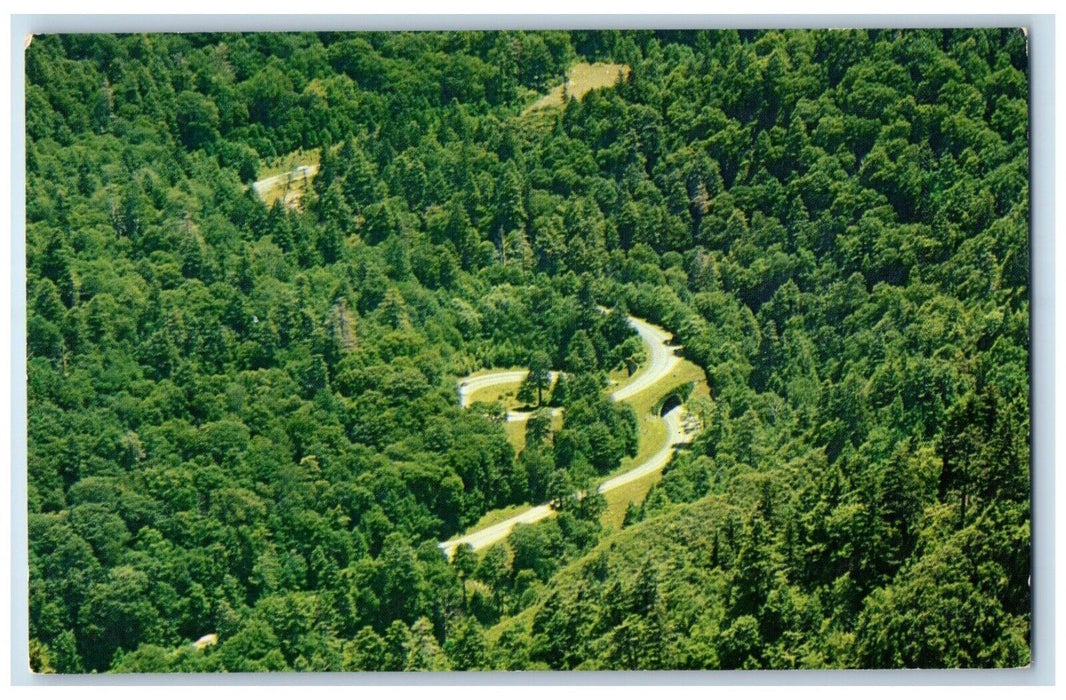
{"points": [[669, 403]]}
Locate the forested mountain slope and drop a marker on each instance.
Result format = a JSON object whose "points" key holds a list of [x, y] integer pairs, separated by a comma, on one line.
{"points": [[243, 421]]}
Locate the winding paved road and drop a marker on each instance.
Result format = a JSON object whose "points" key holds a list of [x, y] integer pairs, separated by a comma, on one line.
{"points": [[676, 434], [472, 384], [494, 533], [661, 359]]}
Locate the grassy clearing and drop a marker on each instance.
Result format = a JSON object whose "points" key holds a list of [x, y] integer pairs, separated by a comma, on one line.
{"points": [[289, 193], [652, 435], [492, 370], [497, 392], [683, 373], [581, 78], [287, 162], [496, 516], [516, 433], [701, 390], [619, 499], [504, 393], [618, 376], [652, 438]]}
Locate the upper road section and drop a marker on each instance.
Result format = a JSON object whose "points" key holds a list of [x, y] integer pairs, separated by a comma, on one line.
{"points": [[661, 359]]}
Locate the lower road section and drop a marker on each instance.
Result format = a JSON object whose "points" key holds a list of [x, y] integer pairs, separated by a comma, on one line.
{"points": [[676, 434]]}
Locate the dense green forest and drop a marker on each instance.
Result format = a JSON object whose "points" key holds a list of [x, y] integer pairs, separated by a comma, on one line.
{"points": [[243, 420]]}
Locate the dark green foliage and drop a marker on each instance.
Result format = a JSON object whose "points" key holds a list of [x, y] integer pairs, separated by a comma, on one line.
{"points": [[242, 421]]}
